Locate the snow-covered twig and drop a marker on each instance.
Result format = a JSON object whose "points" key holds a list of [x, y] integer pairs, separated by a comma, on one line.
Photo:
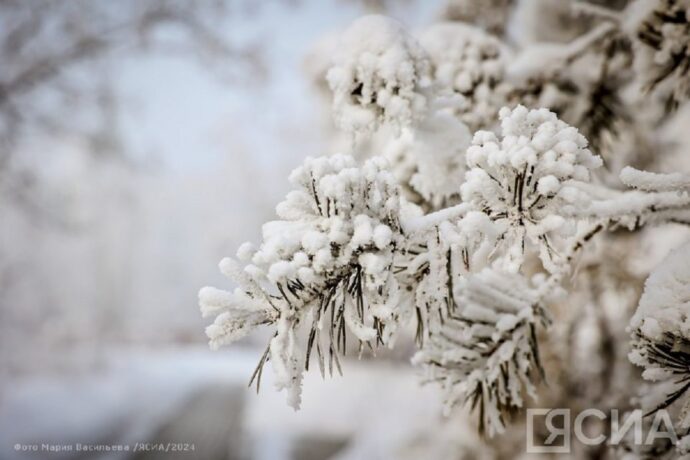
{"points": [[582, 44], [634, 208], [649, 181], [598, 11], [429, 221]]}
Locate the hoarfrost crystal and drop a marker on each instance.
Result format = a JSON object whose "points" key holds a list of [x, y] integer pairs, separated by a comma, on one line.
{"points": [[380, 75]]}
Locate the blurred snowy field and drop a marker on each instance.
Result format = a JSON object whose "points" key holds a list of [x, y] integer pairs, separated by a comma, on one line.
{"points": [[187, 395]]}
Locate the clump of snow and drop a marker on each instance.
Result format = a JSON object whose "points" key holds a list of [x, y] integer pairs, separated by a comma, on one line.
{"points": [[472, 64], [661, 332], [380, 74], [649, 181], [523, 176], [665, 305], [430, 159]]}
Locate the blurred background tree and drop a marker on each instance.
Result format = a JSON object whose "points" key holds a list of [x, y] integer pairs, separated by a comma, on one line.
{"points": [[59, 60]]}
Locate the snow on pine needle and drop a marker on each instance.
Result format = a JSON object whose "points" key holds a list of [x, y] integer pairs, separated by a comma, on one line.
{"points": [[487, 353], [661, 331], [380, 74], [660, 199], [654, 182], [323, 271], [661, 30], [435, 260], [523, 179], [581, 82], [471, 63], [438, 232]]}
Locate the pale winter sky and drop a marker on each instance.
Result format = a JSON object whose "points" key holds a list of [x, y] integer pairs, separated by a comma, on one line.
{"points": [[186, 117]]}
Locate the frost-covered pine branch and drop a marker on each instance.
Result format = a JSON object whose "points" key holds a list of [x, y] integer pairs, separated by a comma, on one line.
{"points": [[661, 29], [380, 74], [325, 268], [472, 64], [655, 182], [459, 226], [661, 336], [522, 180], [487, 355]]}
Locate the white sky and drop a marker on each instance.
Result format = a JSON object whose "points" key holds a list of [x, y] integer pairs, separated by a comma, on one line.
{"points": [[189, 119]]}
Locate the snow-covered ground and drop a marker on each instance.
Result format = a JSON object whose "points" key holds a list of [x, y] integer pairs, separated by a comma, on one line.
{"points": [[140, 395]]}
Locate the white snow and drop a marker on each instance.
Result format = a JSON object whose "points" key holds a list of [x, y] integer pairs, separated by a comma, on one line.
{"points": [[379, 73]]}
